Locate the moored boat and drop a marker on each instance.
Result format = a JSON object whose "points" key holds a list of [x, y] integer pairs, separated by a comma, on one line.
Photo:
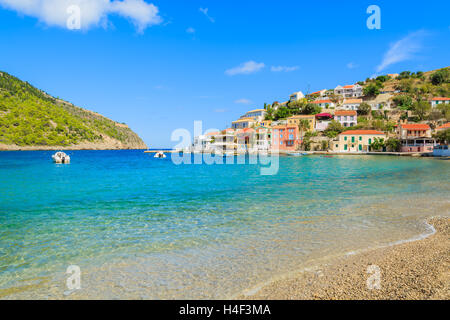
{"points": [[61, 158]]}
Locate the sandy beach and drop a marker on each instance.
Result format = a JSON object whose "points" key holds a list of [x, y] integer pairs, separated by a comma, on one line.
{"points": [[411, 270]]}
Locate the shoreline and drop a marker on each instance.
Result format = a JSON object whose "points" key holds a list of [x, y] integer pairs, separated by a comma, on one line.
{"points": [[416, 268]]}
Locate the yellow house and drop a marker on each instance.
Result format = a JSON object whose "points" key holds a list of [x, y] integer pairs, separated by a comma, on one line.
{"points": [[295, 120], [356, 140], [243, 123]]}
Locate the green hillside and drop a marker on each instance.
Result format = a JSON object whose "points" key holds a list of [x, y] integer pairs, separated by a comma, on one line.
{"points": [[30, 117]]}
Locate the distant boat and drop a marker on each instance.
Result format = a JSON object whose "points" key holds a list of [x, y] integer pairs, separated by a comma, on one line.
{"points": [[296, 154], [160, 155], [61, 157]]}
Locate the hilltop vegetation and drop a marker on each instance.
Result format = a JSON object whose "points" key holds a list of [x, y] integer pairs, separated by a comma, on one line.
{"points": [[30, 117], [409, 93]]}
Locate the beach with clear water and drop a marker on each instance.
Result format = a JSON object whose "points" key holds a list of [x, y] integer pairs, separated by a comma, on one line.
{"points": [[145, 228]]}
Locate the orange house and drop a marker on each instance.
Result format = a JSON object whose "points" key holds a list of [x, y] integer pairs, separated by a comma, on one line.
{"points": [[285, 138]]}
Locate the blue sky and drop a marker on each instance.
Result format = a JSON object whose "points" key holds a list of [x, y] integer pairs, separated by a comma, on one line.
{"points": [[161, 67]]}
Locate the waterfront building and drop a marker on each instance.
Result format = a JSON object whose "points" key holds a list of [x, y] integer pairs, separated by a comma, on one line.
{"points": [[348, 118], [356, 140]]}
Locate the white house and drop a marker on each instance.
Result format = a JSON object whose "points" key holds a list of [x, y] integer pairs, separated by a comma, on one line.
{"points": [[348, 118], [325, 104], [349, 91], [350, 104], [439, 100], [296, 96]]}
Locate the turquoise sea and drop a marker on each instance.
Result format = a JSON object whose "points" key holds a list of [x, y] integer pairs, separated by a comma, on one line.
{"points": [[145, 228]]}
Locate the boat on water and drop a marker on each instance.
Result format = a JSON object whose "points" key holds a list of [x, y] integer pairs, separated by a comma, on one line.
{"points": [[297, 154], [61, 158], [160, 155]]}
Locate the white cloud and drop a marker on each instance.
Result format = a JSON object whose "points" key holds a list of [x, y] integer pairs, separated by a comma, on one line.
{"points": [[205, 12], [246, 68], [243, 101], [402, 50], [352, 65], [93, 12], [284, 68], [190, 30]]}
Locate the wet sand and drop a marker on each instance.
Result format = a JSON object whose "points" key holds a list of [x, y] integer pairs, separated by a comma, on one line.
{"points": [[411, 270]]}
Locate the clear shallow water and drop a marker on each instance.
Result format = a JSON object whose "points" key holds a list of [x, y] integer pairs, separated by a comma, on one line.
{"points": [[140, 227]]}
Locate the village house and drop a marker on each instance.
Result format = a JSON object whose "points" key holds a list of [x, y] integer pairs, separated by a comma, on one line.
{"points": [[347, 118], [296, 96], [349, 91], [323, 120], [243, 123], [320, 93], [356, 140], [439, 100], [222, 142], [443, 127], [350, 104], [285, 138], [415, 137], [257, 115], [325, 104], [295, 120]]}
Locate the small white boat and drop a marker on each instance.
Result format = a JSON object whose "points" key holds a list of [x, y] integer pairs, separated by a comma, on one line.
{"points": [[296, 154], [160, 155], [61, 157]]}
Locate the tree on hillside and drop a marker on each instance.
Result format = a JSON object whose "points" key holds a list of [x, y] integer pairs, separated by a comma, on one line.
{"points": [[269, 114], [393, 144], [373, 89], [443, 137], [303, 126], [404, 75], [440, 76], [295, 107], [364, 109], [378, 144], [311, 108], [403, 102], [421, 108], [444, 108], [334, 128], [405, 85], [282, 113]]}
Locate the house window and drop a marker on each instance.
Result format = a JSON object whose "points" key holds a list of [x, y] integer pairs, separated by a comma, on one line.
{"points": [[345, 147], [345, 138], [353, 139], [370, 141], [360, 147], [360, 138], [291, 137], [281, 143], [337, 146]]}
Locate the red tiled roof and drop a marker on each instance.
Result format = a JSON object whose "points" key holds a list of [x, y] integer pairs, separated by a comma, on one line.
{"points": [[362, 132], [322, 101], [445, 126], [349, 86], [350, 101], [415, 126], [440, 99], [213, 133], [345, 113]]}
